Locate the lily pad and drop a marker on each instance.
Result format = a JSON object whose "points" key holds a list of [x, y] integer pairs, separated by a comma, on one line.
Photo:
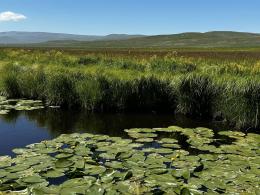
{"points": [[63, 163], [53, 173], [33, 179]]}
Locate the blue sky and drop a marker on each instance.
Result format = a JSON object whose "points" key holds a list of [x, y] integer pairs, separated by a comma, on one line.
{"points": [[100, 17]]}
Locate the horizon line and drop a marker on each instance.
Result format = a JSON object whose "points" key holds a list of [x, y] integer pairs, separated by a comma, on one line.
{"points": [[137, 34]]}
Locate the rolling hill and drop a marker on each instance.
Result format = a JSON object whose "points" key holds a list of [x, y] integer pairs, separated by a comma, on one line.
{"points": [[184, 40], [14, 37]]}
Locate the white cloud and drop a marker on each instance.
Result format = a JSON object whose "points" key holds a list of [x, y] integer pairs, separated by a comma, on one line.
{"points": [[11, 16]]}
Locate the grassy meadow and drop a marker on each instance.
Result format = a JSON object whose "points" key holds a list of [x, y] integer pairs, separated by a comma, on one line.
{"points": [[222, 84]]}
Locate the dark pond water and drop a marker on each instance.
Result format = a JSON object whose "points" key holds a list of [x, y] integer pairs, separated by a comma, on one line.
{"points": [[20, 128]]}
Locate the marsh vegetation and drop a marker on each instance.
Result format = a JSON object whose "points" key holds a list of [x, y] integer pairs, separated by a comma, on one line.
{"points": [[199, 84], [221, 86]]}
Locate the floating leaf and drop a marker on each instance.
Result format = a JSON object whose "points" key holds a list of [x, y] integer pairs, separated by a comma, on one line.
{"points": [[53, 173], [33, 179], [63, 163]]}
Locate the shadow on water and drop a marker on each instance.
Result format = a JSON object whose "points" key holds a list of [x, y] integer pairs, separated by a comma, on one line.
{"points": [[20, 128]]}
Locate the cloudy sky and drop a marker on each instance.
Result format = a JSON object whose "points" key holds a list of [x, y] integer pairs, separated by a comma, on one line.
{"points": [[99, 17]]}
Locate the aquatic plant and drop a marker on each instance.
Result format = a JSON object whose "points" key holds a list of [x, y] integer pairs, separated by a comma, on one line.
{"points": [[196, 95], [60, 89], [199, 85], [6, 105], [89, 93], [143, 163]]}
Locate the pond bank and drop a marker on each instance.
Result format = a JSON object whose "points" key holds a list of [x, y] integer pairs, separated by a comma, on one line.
{"points": [[200, 87]]}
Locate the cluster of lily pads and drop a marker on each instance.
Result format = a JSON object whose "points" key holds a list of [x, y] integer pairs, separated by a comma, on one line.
{"points": [[151, 161], [6, 105]]}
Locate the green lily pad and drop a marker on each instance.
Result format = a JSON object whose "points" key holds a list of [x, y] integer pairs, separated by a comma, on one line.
{"points": [[114, 165], [108, 156], [95, 190], [4, 112], [53, 173], [33, 179], [63, 163], [168, 141], [142, 140], [171, 146], [95, 170], [17, 168], [63, 155], [45, 190], [103, 164]]}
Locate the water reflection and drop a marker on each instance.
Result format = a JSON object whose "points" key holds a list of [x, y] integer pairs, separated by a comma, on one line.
{"points": [[69, 121], [20, 128]]}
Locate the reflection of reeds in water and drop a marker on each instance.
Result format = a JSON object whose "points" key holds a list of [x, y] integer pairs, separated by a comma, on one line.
{"points": [[196, 86]]}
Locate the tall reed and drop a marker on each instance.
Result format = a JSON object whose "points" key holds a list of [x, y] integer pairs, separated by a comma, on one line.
{"points": [[195, 86]]}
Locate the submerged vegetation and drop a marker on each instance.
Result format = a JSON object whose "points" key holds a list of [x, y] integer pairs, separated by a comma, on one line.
{"points": [[150, 161], [207, 86]]}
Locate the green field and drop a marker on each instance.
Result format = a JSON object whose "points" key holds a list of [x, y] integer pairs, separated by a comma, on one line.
{"points": [[198, 83]]}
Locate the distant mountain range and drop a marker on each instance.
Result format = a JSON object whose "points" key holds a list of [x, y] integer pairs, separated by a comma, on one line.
{"points": [[14, 37], [183, 40]]}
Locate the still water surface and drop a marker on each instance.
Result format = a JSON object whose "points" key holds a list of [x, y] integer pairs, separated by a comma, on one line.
{"points": [[20, 128]]}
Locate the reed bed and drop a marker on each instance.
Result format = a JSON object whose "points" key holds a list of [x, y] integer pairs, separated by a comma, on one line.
{"points": [[192, 85]]}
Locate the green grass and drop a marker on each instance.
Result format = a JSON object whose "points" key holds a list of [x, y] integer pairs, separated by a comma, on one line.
{"points": [[199, 85]]}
